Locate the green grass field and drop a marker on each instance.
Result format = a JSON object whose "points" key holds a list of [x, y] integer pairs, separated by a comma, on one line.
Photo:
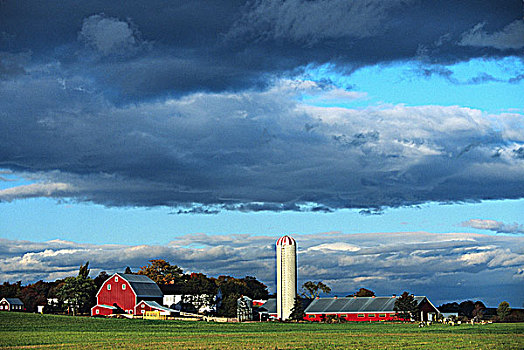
{"points": [[33, 331]]}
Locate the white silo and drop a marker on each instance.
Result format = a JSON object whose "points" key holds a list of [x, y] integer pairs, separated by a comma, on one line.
{"points": [[286, 276]]}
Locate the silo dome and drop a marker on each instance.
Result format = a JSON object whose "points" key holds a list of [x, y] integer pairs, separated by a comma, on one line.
{"points": [[286, 240]]}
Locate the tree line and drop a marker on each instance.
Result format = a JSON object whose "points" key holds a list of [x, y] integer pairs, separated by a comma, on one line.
{"points": [[77, 294]]}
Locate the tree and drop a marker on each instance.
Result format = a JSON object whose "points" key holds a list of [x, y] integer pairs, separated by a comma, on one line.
{"points": [[297, 312], [466, 308], [311, 289], [503, 310], [100, 279], [128, 271], [232, 288], [479, 310], [406, 306], [77, 293], [162, 272], [35, 294], [363, 292], [84, 270], [10, 290]]}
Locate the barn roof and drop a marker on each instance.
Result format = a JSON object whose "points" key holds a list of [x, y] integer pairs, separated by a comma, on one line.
{"points": [[270, 306], [143, 286], [14, 301], [352, 304], [107, 306], [155, 305]]}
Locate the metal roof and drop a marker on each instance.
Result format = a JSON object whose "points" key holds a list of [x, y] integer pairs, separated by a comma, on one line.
{"points": [[14, 301], [354, 305], [142, 285], [107, 306], [270, 306], [156, 305]]}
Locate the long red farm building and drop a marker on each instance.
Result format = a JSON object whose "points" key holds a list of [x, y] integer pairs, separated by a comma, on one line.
{"points": [[357, 308]]}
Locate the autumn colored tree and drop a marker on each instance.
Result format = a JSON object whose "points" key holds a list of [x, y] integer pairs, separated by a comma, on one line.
{"points": [[162, 272], [311, 289], [35, 294], [363, 292]]}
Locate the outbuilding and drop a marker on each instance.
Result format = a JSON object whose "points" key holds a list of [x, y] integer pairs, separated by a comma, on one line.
{"points": [[146, 305], [11, 304], [124, 291]]}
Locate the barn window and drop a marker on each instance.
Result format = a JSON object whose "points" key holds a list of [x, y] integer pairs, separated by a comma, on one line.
{"points": [[108, 287], [97, 311], [123, 286], [371, 315], [381, 315], [116, 278], [143, 305], [361, 315]]}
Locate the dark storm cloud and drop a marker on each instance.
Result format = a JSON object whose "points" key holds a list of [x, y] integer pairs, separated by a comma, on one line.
{"points": [[194, 104], [442, 266], [251, 151], [231, 45]]}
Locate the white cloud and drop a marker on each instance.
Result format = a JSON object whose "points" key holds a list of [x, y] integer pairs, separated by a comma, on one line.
{"points": [[109, 35], [420, 262], [493, 225], [57, 189]]}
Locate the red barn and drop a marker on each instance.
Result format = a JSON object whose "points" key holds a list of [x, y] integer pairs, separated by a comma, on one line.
{"points": [[364, 309], [355, 308], [121, 292], [11, 304]]}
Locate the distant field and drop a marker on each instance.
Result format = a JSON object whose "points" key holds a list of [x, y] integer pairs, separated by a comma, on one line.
{"points": [[33, 331]]}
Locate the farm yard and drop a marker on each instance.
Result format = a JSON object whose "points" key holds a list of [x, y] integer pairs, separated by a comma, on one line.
{"points": [[35, 331]]}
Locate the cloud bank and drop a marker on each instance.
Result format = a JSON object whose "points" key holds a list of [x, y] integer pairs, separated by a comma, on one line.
{"points": [[255, 150], [202, 105], [451, 266]]}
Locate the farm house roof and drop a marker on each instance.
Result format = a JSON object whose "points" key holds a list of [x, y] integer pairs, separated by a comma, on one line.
{"points": [[142, 285], [14, 301], [353, 305]]}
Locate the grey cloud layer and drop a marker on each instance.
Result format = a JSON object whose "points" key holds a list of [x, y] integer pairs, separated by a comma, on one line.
{"points": [[450, 266], [252, 150], [187, 104]]}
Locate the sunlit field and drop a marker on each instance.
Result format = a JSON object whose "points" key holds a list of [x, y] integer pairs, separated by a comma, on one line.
{"points": [[21, 330]]}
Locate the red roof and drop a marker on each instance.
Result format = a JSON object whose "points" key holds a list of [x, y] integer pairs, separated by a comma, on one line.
{"points": [[286, 240]]}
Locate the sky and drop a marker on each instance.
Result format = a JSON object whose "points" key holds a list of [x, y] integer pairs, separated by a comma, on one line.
{"points": [[387, 137]]}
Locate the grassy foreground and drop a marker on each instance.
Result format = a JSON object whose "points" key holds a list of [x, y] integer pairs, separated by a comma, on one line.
{"points": [[33, 331]]}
